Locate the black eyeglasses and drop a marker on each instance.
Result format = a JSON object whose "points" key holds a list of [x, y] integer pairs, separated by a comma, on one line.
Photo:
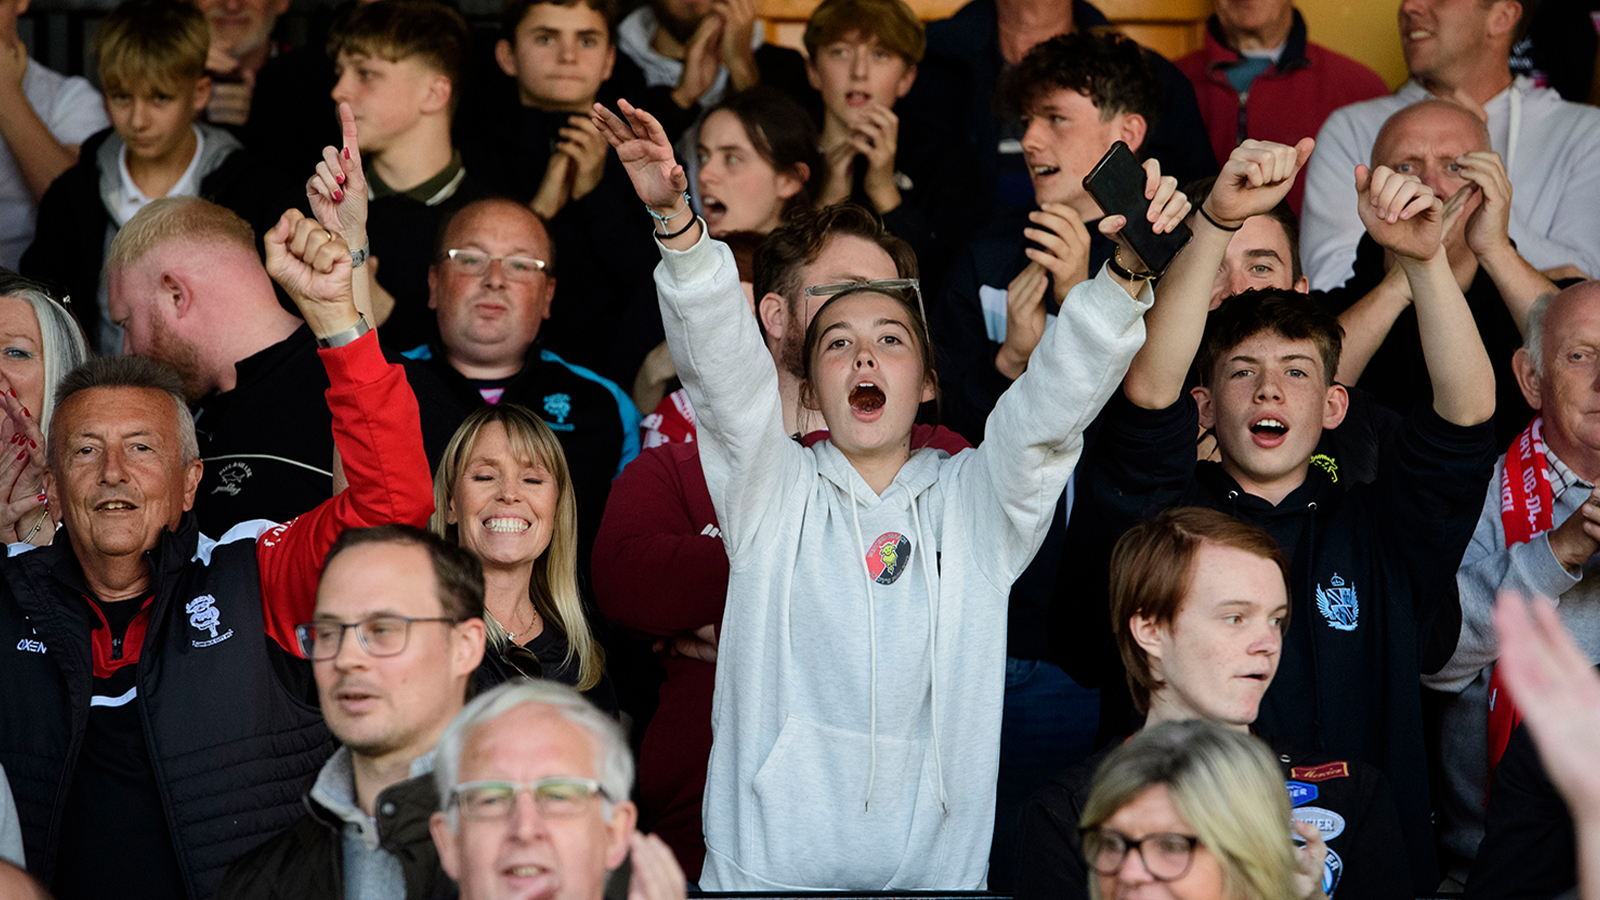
{"points": [[1165, 855], [379, 635]]}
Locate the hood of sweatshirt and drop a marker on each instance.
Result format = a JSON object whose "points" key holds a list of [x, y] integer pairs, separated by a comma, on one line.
{"points": [[217, 145]]}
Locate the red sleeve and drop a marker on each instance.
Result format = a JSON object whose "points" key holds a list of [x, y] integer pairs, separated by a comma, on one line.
{"points": [[659, 566], [378, 431]]}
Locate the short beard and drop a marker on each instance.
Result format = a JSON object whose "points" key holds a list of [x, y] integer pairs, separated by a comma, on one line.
{"points": [[792, 349], [182, 357], [680, 29]]}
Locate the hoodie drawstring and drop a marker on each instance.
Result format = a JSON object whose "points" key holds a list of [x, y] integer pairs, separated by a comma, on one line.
{"points": [[872, 641], [933, 648]]}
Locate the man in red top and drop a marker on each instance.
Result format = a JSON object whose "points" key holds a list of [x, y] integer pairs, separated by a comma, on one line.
{"points": [[659, 518], [150, 734], [1258, 77]]}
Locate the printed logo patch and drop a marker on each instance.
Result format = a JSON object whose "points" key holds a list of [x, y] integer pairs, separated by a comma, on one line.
{"points": [[1330, 823], [1338, 604], [232, 475], [1332, 871], [889, 555], [205, 617], [29, 645], [1321, 773], [1301, 793], [558, 405]]}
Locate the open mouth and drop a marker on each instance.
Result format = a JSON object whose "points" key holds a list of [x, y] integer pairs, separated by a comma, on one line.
{"points": [[715, 209], [857, 98], [506, 525], [867, 397], [1418, 34], [529, 871], [1044, 171], [116, 506], [1269, 427]]}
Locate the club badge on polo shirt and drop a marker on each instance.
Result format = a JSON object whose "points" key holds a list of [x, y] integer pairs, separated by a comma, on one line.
{"points": [[888, 557], [1339, 605], [205, 618]]}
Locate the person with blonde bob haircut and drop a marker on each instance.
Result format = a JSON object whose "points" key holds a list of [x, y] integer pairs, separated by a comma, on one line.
{"points": [[503, 491], [1204, 810]]}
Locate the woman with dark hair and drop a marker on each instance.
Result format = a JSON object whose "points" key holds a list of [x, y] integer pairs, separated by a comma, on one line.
{"points": [[758, 161]]}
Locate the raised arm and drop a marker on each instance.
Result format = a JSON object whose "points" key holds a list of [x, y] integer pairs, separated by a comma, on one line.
{"points": [[376, 425], [1257, 176], [716, 347], [337, 192], [1404, 217], [1555, 686], [1518, 282]]}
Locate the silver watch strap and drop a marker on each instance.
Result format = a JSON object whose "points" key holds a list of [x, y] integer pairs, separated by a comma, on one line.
{"points": [[348, 336]]}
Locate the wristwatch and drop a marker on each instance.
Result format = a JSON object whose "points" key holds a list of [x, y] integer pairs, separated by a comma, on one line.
{"points": [[358, 257], [348, 336]]}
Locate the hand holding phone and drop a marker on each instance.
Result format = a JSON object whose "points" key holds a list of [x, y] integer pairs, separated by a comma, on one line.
{"points": [[1117, 183]]}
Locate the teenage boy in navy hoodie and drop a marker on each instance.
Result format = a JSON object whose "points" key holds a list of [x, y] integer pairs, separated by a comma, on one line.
{"points": [[1372, 566]]}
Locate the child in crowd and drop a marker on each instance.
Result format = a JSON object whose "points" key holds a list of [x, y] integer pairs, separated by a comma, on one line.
{"points": [[399, 68], [151, 56], [758, 161], [542, 150], [863, 57], [849, 756]]}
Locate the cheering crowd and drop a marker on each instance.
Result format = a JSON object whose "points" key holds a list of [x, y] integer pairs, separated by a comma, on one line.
{"points": [[982, 455]]}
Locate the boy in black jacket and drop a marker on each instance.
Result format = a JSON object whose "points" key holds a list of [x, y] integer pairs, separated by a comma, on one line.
{"points": [[151, 56], [1373, 566], [1200, 605]]}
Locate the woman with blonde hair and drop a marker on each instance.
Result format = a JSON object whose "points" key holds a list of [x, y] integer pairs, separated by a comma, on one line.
{"points": [[1203, 809], [504, 493]]}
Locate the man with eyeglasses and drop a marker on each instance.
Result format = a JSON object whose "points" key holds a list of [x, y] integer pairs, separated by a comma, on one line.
{"points": [[532, 785], [1200, 606], [492, 285], [397, 634], [660, 566]]}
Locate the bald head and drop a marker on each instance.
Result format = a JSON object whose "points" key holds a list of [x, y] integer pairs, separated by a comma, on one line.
{"points": [[1424, 140]]}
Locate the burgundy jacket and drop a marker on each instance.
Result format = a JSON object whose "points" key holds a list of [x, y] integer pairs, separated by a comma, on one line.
{"points": [[1287, 102]]}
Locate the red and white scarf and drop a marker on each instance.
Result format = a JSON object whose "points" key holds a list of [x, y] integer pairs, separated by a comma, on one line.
{"points": [[1526, 511]]}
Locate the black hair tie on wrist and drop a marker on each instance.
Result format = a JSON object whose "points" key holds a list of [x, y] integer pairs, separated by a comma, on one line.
{"points": [[679, 233], [1216, 223]]}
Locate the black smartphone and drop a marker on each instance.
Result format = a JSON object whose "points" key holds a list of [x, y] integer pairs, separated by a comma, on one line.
{"points": [[1117, 184]]}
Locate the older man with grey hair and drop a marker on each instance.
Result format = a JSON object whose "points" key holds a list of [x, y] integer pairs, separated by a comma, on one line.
{"points": [[1538, 534], [154, 722], [533, 786]]}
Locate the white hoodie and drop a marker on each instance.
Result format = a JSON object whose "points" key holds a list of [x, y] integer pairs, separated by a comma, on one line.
{"points": [[854, 746]]}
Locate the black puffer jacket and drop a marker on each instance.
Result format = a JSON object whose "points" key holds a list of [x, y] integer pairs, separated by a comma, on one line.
{"points": [[231, 735]]}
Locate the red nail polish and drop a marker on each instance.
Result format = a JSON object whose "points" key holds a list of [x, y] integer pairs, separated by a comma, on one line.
{"points": [[337, 196], [44, 498], [32, 445], [22, 456], [339, 178], [347, 153], [26, 413]]}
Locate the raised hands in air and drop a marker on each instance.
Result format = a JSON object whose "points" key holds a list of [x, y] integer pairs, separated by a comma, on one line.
{"points": [[1400, 212], [1256, 178]]}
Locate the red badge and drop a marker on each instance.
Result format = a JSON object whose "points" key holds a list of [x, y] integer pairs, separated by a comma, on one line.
{"points": [[888, 557], [1322, 772]]}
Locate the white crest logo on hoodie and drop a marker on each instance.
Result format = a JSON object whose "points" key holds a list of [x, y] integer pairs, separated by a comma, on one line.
{"points": [[1338, 604], [888, 557]]}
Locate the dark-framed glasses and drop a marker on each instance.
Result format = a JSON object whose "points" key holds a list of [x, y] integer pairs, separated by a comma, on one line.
{"points": [[558, 797], [379, 635], [1166, 855], [514, 268]]}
